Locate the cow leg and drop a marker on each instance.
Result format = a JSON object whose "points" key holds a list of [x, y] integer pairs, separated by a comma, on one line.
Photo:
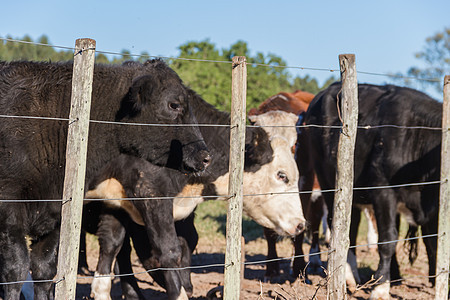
{"points": [[43, 256], [130, 288], [186, 229], [142, 248], [14, 262], [351, 274], [111, 235], [188, 238], [272, 267], [395, 268], [299, 264], [386, 213], [160, 227], [431, 247], [315, 216], [83, 267]]}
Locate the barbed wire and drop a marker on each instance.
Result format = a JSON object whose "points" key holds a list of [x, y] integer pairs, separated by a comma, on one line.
{"points": [[225, 196], [366, 127], [223, 265], [331, 70]]}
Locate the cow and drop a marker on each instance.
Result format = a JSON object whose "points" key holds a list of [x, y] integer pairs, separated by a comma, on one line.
{"points": [[33, 157], [296, 103], [313, 204], [269, 167], [385, 155], [131, 177]]}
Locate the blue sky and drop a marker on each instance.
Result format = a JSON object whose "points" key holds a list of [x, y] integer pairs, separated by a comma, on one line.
{"points": [[384, 35]]}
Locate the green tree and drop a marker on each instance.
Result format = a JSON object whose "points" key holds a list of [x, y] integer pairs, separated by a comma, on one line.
{"points": [[201, 65], [38, 51], [436, 56], [212, 79]]}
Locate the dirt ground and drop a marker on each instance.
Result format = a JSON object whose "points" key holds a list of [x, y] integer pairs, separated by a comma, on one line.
{"points": [[415, 285]]}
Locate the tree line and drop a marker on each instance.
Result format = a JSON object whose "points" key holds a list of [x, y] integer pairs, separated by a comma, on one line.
{"points": [[211, 79]]}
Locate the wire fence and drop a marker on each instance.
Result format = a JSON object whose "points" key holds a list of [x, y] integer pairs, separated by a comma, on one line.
{"points": [[330, 70], [362, 127]]}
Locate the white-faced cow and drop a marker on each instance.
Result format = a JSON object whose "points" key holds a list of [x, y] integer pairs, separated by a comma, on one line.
{"points": [[32, 152], [385, 155], [269, 168]]}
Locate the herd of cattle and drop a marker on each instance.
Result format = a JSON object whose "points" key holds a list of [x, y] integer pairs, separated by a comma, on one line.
{"points": [[174, 168]]}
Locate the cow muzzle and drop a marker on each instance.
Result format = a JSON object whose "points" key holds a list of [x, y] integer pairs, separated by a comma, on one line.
{"points": [[197, 160]]}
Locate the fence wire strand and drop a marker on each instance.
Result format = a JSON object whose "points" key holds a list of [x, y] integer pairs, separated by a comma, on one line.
{"points": [[224, 196], [223, 265], [331, 70]]}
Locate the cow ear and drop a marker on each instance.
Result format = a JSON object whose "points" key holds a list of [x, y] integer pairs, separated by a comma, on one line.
{"points": [[258, 150], [252, 119], [140, 90], [138, 94]]}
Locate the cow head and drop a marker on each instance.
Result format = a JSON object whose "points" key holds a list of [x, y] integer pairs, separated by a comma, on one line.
{"points": [[157, 96], [281, 209]]}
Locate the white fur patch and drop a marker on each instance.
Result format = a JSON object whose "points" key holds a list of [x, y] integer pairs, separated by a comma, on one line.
{"points": [[183, 295], [101, 287], [406, 213], [112, 189], [325, 228], [315, 195], [183, 207], [351, 272], [381, 292], [372, 234]]}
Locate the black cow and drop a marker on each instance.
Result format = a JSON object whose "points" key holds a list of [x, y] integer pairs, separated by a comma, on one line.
{"points": [[138, 179], [266, 160], [385, 155], [32, 152]]}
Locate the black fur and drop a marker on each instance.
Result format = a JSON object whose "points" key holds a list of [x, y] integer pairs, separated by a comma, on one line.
{"points": [[32, 152], [385, 156], [258, 153]]}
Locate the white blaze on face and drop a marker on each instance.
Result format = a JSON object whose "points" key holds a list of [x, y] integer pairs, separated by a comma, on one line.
{"points": [[276, 202], [282, 210]]}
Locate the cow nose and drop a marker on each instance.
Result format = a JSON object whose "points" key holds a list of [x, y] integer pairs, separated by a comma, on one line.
{"points": [[206, 159], [300, 227]]}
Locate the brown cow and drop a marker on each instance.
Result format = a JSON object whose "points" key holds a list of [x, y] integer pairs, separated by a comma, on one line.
{"points": [[296, 102]]}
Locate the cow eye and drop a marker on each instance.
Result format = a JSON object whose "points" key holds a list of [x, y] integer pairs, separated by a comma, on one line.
{"points": [[175, 106], [282, 176]]}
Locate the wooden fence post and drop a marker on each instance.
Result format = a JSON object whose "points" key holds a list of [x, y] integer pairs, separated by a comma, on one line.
{"points": [[443, 250], [74, 180], [339, 243], [236, 173]]}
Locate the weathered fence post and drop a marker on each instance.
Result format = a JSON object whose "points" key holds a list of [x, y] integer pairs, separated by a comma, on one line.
{"points": [[237, 148], [76, 153], [339, 243], [443, 250]]}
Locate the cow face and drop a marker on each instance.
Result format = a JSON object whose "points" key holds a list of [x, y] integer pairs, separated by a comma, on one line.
{"points": [[280, 210], [270, 183], [271, 195], [159, 97]]}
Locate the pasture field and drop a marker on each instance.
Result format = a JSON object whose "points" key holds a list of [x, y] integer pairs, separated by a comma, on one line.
{"points": [[210, 223]]}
